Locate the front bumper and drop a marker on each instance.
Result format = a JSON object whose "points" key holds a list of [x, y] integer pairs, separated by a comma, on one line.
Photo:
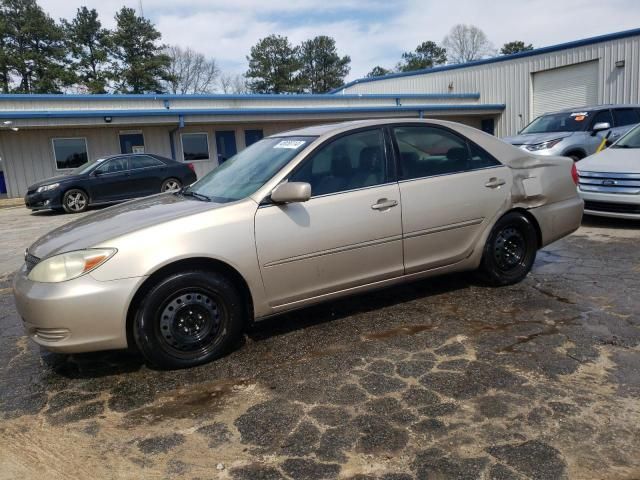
{"points": [[43, 200], [611, 205], [80, 315]]}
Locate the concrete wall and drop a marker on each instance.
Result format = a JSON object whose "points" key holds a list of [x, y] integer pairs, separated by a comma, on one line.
{"points": [[510, 82]]}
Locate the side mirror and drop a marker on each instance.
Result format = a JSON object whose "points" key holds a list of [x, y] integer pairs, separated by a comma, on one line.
{"points": [[291, 192], [600, 126]]}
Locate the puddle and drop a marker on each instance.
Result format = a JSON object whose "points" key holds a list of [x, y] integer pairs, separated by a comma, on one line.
{"points": [[396, 332], [195, 401]]}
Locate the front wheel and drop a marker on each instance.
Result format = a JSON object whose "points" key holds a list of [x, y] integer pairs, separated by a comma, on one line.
{"points": [[510, 250], [188, 319], [75, 201]]}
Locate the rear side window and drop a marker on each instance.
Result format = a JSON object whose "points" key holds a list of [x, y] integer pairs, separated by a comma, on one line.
{"points": [[430, 151], [353, 161], [145, 162], [625, 116]]}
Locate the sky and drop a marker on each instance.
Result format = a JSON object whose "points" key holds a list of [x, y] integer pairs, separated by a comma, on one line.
{"points": [[371, 32]]}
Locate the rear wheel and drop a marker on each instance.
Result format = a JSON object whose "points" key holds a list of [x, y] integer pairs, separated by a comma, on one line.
{"points": [[188, 319], [510, 250], [171, 185], [75, 201]]}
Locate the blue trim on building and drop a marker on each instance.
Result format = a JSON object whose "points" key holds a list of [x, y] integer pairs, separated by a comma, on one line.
{"points": [[502, 58], [243, 112], [167, 97]]}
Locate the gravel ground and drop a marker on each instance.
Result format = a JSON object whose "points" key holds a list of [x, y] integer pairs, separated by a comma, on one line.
{"points": [[437, 379]]}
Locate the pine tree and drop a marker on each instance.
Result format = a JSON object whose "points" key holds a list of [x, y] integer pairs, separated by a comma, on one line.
{"points": [[322, 69], [427, 55], [273, 66]]}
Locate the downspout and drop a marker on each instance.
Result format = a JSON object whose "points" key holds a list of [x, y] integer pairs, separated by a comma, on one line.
{"points": [[172, 141]]}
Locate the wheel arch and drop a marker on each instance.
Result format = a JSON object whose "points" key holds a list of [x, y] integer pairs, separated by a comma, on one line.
{"points": [[194, 263], [575, 152], [526, 213]]}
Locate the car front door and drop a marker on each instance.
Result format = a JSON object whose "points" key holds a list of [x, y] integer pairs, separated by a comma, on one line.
{"points": [[348, 234], [110, 181], [451, 190]]}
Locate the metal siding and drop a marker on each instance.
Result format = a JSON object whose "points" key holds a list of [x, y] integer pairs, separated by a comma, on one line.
{"points": [[509, 81]]}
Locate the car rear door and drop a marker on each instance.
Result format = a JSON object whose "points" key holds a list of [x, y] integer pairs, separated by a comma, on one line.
{"points": [[147, 175], [348, 234], [451, 190]]}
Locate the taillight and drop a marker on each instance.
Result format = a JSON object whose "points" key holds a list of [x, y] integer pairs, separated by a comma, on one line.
{"points": [[574, 173], [190, 165]]}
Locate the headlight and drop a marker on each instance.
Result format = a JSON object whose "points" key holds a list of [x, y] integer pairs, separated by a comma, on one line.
{"points": [[544, 145], [67, 266], [46, 188]]}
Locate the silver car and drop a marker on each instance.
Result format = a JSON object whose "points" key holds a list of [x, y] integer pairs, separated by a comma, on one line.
{"points": [[610, 180], [297, 218], [576, 132]]}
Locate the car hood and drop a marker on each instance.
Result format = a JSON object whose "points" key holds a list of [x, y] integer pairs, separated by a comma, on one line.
{"points": [[48, 181], [534, 138], [612, 160], [113, 222]]}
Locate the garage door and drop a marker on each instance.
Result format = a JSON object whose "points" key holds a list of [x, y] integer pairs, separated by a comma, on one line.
{"points": [[565, 87]]}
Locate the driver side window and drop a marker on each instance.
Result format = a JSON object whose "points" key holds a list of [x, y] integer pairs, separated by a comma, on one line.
{"points": [[348, 163]]}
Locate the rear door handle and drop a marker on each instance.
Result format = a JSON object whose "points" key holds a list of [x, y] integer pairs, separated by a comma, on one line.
{"points": [[384, 204], [494, 182]]}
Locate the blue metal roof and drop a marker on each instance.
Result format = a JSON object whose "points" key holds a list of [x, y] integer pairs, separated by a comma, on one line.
{"points": [[245, 111], [257, 96], [502, 58]]}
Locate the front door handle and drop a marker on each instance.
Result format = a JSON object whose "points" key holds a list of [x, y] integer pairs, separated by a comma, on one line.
{"points": [[494, 182], [384, 204]]}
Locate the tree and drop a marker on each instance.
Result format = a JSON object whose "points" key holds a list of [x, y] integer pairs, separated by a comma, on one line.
{"points": [[466, 43], [89, 45], [33, 49], [235, 84], [322, 69], [378, 71], [515, 47], [139, 65], [427, 55], [273, 66], [190, 71]]}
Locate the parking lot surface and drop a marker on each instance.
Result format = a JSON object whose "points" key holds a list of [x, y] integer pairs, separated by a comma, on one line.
{"points": [[437, 379]]}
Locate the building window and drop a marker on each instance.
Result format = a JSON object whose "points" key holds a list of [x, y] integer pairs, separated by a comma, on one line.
{"points": [[195, 146], [70, 152], [252, 136]]}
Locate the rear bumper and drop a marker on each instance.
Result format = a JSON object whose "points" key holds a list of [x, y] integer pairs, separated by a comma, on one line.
{"points": [[80, 315], [558, 219], [612, 205]]}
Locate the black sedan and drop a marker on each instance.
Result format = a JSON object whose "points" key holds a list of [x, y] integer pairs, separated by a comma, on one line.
{"points": [[109, 180]]}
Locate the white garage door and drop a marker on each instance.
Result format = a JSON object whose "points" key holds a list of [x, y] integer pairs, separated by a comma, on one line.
{"points": [[565, 87]]}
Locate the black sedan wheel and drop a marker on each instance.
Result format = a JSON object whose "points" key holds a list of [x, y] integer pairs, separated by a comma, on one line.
{"points": [[171, 185], [75, 201], [510, 250], [188, 319]]}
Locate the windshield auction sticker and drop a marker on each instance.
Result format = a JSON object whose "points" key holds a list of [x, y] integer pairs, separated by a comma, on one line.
{"points": [[579, 116], [293, 144]]}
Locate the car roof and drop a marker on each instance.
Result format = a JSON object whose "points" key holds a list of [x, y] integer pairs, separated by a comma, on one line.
{"points": [[159, 157], [594, 108]]}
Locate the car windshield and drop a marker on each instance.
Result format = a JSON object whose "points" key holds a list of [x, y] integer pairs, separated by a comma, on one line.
{"points": [[630, 140], [559, 122], [244, 173], [86, 167]]}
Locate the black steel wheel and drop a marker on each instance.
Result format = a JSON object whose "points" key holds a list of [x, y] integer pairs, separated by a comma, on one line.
{"points": [[188, 319], [510, 250]]}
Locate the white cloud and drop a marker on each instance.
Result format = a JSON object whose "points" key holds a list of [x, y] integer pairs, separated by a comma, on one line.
{"points": [[371, 32]]}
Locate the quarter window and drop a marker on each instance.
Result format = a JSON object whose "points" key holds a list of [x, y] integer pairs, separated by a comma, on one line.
{"points": [[69, 152], [348, 163], [195, 146], [625, 116], [429, 151]]}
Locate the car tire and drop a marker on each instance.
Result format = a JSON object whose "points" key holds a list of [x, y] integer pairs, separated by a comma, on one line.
{"points": [[188, 319], [510, 250], [171, 185], [75, 201]]}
